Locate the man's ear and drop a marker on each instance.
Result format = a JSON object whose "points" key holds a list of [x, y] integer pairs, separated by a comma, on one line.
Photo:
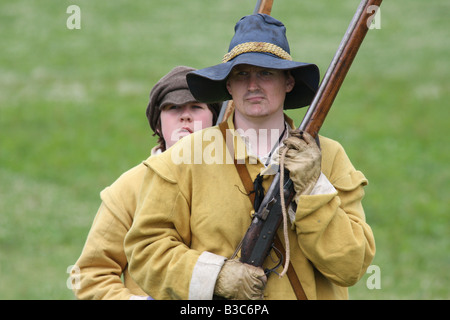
{"points": [[290, 82], [228, 87]]}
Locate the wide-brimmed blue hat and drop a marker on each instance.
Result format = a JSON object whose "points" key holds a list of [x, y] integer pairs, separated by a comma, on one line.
{"points": [[259, 40]]}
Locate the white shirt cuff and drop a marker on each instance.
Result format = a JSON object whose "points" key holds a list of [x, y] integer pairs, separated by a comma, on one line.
{"points": [[204, 276], [323, 186]]}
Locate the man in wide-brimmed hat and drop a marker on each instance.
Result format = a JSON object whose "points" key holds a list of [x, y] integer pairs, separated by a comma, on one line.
{"points": [[181, 241]]}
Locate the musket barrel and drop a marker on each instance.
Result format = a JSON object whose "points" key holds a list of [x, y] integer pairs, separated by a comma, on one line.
{"points": [[263, 6], [339, 66]]}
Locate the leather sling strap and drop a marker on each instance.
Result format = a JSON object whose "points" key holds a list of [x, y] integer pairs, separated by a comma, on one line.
{"points": [[292, 275], [240, 167], [248, 184]]}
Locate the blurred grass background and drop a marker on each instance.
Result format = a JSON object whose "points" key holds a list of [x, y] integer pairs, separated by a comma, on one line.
{"points": [[72, 119]]}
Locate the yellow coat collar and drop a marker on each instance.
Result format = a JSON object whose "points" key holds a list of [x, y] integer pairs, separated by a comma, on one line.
{"points": [[241, 154]]}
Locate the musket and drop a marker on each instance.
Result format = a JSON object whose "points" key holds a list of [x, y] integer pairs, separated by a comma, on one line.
{"points": [[258, 240], [262, 6]]}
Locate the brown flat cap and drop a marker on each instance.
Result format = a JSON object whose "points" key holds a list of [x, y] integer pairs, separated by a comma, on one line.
{"points": [[170, 89]]}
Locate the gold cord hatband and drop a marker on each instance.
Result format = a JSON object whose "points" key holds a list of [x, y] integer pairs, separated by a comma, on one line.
{"points": [[256, 47]]}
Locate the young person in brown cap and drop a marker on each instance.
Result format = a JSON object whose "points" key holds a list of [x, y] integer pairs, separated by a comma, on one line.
{"points": [[180, 244], [172, 113]]}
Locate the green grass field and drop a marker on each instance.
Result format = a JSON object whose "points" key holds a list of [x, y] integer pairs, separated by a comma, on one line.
{"points": [[72, 119]]}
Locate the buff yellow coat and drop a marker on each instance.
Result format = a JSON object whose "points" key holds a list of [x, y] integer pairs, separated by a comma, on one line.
{"points": [[102, 262], [187, 208]]}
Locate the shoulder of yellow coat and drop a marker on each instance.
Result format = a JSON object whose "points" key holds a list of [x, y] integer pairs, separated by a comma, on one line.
{"points": [[162, 166]]}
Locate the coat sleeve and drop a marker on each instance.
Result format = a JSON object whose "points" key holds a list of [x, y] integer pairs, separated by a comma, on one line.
{"points": [[103, 260], [103, 263], [158, 243], [331, 228]]}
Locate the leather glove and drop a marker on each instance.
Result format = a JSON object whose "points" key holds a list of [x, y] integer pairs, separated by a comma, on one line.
{"points": [[302, 160], [240, 281]]}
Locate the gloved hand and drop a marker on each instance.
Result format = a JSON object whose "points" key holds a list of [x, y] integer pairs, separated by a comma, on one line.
{"points": [[302, 160], [240, 281]]}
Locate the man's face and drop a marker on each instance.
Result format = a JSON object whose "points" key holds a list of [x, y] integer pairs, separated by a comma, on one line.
{"points": [[258, 92], [180, 121]]}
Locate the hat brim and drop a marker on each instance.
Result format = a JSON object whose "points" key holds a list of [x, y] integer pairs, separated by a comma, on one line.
{"points": [[209, 84], [178, 97]]}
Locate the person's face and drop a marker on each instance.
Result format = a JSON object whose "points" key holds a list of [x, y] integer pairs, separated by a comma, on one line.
{"points": [[258, 92], [180, 121]]}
